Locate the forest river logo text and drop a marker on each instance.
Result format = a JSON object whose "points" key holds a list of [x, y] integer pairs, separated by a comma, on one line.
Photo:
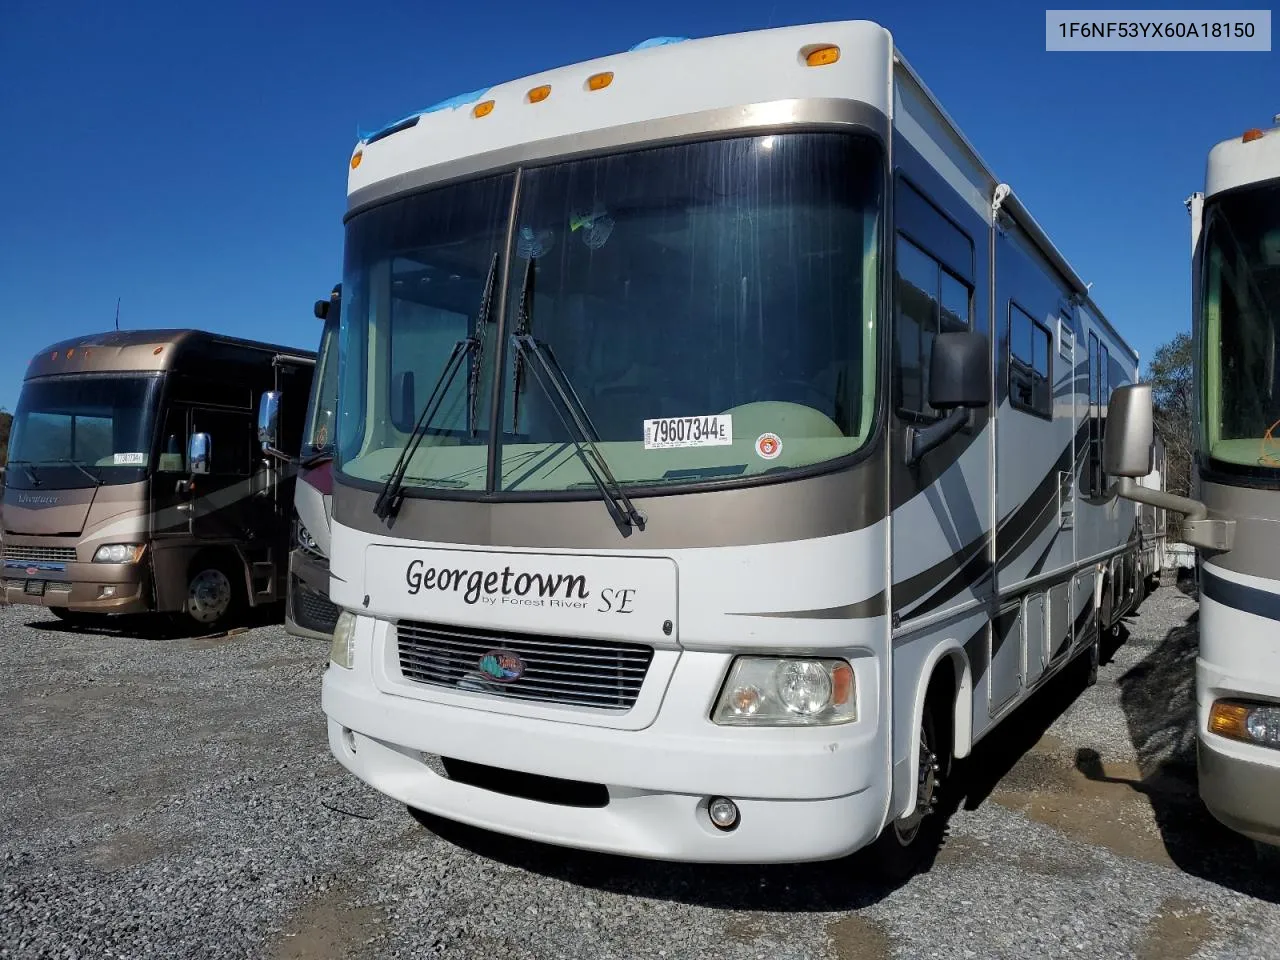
{"points": [[508, 588]]}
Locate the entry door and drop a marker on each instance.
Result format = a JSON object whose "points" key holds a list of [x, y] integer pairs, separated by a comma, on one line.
{"points": [[224, 506]]}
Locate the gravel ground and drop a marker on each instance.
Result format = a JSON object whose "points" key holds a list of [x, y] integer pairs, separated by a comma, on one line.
{"points": [[175, 798]]}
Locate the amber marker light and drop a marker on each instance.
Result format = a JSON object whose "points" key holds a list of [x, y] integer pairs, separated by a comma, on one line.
{"points": [[822, 56]]}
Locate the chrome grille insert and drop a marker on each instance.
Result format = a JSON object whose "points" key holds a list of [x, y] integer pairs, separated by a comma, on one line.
{"points": [[584, 673], [26, 554]]}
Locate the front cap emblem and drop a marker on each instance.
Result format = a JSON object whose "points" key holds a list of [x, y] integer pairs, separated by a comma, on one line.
{"points": [[502, 665]]}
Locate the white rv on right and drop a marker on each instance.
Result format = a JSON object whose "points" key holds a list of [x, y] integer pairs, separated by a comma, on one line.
{"points": [[1236, 330]]}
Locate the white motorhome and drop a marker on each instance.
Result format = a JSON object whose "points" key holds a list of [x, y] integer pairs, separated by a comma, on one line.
{"points": [[1235, 227], [719, 454]]}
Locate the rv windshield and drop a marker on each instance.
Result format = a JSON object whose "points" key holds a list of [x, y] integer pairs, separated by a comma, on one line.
{"points": [[710, 305], [322, 407], [1240, 305], [78, 431]]}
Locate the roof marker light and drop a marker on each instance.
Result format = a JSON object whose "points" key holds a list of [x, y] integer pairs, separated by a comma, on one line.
{"points": [[482, 109], [598, 81], [157, 351], [356, 158], [54, 355], [71, 352], [1251, 135], [538, 94], [821, 56]]}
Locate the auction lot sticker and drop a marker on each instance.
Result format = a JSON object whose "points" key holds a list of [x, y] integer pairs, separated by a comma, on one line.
{"points": [[668, 432]]}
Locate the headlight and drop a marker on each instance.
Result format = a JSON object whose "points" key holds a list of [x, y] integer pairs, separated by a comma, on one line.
{"points": [[1251, 722], [787, 691], [118, 553], [307, 541], [342, 652]]}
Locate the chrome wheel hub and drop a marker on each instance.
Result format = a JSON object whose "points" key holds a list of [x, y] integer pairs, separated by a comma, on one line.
{"points": [[927, 779], [209, 596]]}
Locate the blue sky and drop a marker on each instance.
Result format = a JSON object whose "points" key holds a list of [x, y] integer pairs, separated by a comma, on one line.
{"points": [[191, 159]]}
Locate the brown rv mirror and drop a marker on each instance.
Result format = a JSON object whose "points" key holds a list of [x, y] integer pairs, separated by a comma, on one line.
{"points": [[1130, 432], [199, 453], [269, 419]]}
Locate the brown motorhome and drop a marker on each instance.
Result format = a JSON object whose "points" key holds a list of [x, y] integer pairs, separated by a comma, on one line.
{"points": [[137, 482]]}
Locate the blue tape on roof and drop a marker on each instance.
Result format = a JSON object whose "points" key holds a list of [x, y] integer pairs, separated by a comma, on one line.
{"points": [[461, 100], [658, 42]]}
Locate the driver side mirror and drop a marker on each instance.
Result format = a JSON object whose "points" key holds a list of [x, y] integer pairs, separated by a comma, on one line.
{"points": [[1127, 446], [199, 453], [269, 419], [959, 381]]}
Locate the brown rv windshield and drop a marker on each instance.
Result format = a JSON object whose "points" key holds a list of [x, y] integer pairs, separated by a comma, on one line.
{"points": [[82, 431]]}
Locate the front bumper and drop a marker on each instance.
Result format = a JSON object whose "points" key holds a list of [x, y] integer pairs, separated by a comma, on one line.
{"points": [[82, 587], [309, 612], [804, 794], [1241, 792]]}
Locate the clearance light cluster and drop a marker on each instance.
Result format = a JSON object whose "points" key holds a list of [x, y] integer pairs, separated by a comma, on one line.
{"points": [[1249, 722], [814, 55]]}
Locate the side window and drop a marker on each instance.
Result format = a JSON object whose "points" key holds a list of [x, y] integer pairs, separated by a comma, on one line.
{"points": [[173, 442], [1030, 363], [930, 299], [231, 436]]}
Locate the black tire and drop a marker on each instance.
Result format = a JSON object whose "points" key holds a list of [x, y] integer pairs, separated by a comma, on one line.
{"points": [[1091, 660], [907, 846], [215, 593]]}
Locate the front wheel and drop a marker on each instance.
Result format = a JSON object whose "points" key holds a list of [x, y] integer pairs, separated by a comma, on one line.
{"points": [[213, 598], [907, 845]]}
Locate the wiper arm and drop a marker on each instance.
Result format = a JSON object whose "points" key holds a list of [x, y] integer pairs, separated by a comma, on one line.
{"points": [[482, 324], [390, 497], [315, 457], [97, 481], [555, 384], [26, 467]]}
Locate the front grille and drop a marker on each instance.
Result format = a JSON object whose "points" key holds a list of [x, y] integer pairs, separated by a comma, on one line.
{"points": [[39, 554], [584, 673], [314, 610]]}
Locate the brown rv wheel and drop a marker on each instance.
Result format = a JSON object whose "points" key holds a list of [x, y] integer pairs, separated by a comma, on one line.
{"points": [[213, 592]]}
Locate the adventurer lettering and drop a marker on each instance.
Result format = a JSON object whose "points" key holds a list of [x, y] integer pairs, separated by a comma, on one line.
{"points": [[508, 588]]}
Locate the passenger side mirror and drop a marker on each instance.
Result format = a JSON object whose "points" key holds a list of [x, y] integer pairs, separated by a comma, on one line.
{"points": [[959, 381], [959, 371], [404, 411], [200, 453], [1127, 444], [269, 419], [322, 309]]}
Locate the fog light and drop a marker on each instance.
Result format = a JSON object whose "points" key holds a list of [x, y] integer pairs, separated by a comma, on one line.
{"points": [[723, 812], [105, 593]]}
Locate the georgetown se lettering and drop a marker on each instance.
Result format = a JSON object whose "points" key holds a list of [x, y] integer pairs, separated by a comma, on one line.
{"points": [[517, 589]]}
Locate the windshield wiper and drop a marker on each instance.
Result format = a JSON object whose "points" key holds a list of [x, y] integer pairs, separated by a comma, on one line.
{"points": [[315, 457], [26, 466], [391, 495], [97, 481], [578, 423], [482, 324]]}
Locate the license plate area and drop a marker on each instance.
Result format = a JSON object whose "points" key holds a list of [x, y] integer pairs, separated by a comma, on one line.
{"points": [[35, 588]]}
